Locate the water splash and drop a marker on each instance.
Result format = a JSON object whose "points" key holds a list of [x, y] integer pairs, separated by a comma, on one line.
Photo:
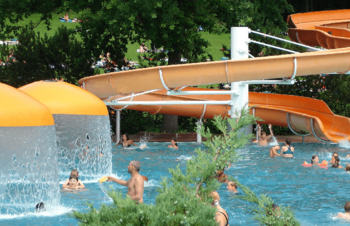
{"points": [[273, 141], [28, 173], [84, 143], [344, 144], [144, 140]]}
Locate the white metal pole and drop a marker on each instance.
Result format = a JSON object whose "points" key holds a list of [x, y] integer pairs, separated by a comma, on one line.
{"points": [[117, 126], [240, 50], [199, 125]]}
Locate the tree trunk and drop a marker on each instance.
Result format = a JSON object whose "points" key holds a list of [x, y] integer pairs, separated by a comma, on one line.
{"points": [[170, 122]]}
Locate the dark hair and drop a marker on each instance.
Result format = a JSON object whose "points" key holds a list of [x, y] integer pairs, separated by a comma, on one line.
{"points": [[73, 176], [127, 136], [175, 142], [288, 141], [263, 132], [312, 158], [347, 207], [40, 207], [336, 162]]}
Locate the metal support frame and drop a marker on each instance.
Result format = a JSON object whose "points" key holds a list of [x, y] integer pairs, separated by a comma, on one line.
{"points": [[199, 125], [314, 133], [272, 46], [137, 94], [214, 92], [284, 40], [162, 80], [117, 126]]}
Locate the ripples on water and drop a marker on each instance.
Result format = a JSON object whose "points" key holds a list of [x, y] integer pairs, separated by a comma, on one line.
{"points": [[316, 195]]}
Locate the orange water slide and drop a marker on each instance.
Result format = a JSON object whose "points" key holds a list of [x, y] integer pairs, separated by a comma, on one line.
{"points": [[327, 29], [298, 113]]}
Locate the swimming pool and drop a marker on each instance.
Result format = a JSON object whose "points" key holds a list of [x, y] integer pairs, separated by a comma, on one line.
{"points": [[314, 194]]}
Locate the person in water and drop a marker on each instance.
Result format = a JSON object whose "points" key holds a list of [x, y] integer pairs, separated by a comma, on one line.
{"points": [[135, 184], [173, 144], [332, 160], [221, 215], [287, 151], [73, 175], [273, 151], [223, 178], [336, 162], [40, 207], [232, 186], [315, 161], [125, 142], [262, 137], [345, 215], [347, 167]]}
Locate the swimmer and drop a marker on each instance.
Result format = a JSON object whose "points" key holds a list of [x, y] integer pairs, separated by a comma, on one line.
{"points": [[347, 167], [315, 161], [221, 215], [221, 176], [125, 142], [287, 151], [74, 173], [334, 154], [232, 186], [345, 215], [40, 207], [72, 183], [273, 151], [173, 144], [336, 162], [135, 184], [262, 136]]}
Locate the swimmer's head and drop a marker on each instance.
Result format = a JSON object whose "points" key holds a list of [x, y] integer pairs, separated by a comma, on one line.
{"points": [[288, 141], [347, 167], [335, 154], [216, 197], [40, 207], [314, 159], [263, 134], [173, 142], [125, 136], [134, 166], [231, 186], [347, 207]]}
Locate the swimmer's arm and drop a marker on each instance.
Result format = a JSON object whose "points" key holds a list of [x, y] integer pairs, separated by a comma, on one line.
{"points": [[132, 142], [139, 186], [271, 133], [259, 132], [121, 182], [276, 153], [65, 185], [81, 185], [118, 144]]}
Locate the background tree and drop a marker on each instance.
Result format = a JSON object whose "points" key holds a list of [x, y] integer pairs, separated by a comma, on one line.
{"points": [[61, 56]]}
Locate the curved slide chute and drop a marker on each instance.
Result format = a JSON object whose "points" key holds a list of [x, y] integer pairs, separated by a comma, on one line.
{"points": [[328, 29], [299, 113]]}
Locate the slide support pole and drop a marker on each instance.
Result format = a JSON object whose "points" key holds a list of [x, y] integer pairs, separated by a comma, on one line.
{"points": [[199, 137], [117, 126], [240, 50]]}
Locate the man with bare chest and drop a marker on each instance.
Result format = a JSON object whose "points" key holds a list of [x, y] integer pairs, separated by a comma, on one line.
{"points": [[135, 184]]}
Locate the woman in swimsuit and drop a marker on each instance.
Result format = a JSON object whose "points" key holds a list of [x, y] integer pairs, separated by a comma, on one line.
{"points": [[287, 151], [221, 215], [336, 161], [126, 142], [173, 144]]}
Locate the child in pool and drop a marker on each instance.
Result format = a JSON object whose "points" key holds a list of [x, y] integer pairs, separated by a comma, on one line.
{"points": [[73, 182], [345, 215]]}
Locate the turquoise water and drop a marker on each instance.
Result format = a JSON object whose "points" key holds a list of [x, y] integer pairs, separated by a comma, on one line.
{"points": [[314, 194]]}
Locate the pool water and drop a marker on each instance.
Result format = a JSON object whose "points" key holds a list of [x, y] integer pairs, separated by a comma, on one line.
{"points": [[315, 194]]}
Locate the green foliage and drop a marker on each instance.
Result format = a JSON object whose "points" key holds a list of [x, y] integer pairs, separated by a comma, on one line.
{"points": [[44, 58], [264, 211]]}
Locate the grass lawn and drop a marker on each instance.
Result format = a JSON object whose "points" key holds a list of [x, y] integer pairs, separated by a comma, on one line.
{"points": [[214, 49]]}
